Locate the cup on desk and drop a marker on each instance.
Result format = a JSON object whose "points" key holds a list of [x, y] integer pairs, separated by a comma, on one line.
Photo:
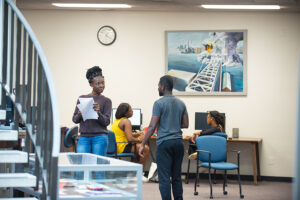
{"points": [[235, 133]]}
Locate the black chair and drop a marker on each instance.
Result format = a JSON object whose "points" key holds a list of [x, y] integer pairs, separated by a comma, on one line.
{"points": [[71, 138], [190, 150], [112, 148]]}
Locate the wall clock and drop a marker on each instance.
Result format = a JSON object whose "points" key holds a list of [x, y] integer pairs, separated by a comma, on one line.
{"points": [[106, 35]]}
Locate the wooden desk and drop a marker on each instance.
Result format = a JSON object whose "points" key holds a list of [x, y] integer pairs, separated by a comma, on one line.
{"points": [[255, 154]]}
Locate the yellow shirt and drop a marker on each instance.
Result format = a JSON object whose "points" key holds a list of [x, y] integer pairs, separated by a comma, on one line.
{"points": [[120, 135]]}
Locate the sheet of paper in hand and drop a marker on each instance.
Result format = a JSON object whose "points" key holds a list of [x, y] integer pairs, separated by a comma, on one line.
{"points": [[86, 108]]}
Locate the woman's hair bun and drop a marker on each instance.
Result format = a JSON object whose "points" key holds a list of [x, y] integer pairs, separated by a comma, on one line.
{"points": [[93, 72]]}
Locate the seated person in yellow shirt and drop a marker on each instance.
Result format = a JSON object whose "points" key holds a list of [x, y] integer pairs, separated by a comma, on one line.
{"points": [[123, 132]]}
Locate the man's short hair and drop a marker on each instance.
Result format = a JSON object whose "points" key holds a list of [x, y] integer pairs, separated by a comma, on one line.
{"points": [[167, 81]]}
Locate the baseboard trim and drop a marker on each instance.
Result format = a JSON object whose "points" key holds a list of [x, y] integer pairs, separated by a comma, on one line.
{"points": [[244, 177], [278, 179]]}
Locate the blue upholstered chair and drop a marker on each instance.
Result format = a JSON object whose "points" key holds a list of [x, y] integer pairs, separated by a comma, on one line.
{"points": [[112, 148], [213, 155], [224, 135]]}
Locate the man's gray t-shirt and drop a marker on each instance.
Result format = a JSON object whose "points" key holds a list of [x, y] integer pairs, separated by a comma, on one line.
{"points": [[170, 109]]}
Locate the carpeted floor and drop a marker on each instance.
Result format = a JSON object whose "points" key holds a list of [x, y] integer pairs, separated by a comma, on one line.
{"points": [[265, 190]]}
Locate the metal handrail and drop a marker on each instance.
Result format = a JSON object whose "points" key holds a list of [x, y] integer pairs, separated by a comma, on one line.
{"points": [[26, 79]]}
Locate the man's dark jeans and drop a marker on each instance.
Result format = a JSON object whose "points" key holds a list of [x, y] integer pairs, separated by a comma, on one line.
{"points": [[169, 155]]}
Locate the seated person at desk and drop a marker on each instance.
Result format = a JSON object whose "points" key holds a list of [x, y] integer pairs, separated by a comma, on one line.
{"points": [[123, 132], [216, 121]]}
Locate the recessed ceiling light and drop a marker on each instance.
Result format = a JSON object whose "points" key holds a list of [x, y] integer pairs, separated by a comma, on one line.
{"points": [[84, 5], [255, 7]]}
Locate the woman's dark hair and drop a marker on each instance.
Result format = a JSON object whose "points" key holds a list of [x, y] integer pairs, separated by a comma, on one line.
{"points": [[93, 72], [219, 118], [122, 109], [167, 81]]}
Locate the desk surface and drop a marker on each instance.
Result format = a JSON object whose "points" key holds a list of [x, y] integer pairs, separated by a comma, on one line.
{"points": [[241, 139], [244, 139]]}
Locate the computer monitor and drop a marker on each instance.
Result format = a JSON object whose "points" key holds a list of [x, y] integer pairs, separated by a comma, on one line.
{"points": [[136, 119], [201, 122]]}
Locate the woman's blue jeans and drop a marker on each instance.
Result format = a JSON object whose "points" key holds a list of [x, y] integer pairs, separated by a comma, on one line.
{"points": [[96, 145]]}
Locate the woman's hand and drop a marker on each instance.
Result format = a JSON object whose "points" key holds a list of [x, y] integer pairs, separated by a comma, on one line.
{"points": [[96, 107], [79, 113], [195, 135], [137, 134], [141, 138]]}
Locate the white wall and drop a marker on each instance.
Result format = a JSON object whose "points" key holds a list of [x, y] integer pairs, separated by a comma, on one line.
{"points": [[134, 63]]}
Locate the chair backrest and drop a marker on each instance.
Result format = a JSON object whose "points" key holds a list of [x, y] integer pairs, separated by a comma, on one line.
{"points": [[224, 135], [70, 137], [216, 145], [112, 145]]}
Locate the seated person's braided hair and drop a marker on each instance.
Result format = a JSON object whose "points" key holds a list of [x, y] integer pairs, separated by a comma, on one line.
{"points": [[219, 118]]}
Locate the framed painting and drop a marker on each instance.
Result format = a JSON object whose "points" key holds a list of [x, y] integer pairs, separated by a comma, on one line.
{"points": [[207, 62]]}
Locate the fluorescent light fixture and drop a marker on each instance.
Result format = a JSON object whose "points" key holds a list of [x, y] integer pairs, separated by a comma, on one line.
{"points": [[255, 7], [85, 5]]}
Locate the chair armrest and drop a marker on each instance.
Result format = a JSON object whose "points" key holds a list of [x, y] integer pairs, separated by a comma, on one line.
{"points": [[203, 151], [133, 143], [238, 156]]}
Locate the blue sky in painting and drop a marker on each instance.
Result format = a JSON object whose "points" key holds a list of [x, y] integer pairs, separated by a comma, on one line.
{"points": [[178, 38]]}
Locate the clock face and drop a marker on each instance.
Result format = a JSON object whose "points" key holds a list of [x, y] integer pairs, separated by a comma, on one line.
{"points": [[106, 35]]}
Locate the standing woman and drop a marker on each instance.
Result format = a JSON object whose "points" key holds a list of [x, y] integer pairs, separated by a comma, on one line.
{"points": [[93, 132]]}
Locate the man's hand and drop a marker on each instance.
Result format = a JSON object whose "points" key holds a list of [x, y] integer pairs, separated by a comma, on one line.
{"points": [[141, 150]]}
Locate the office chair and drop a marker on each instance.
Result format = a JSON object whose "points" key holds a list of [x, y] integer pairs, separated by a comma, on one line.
{"points": [[112, 148], [191, 146], [71, 138], [213, 155]]}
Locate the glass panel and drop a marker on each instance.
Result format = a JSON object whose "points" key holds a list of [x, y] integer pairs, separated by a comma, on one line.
{"points": [[101, 184], [81, 159], [87, 176]]}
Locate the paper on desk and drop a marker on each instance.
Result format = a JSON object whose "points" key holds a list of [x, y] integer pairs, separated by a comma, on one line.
{"points": [[86, 108]]}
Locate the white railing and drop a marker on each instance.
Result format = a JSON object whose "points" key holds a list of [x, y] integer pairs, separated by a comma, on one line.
{"points": [[27, 81]]}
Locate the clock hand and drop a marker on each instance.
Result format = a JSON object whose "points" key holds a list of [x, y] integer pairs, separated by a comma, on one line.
{"points": [[108, 37]]}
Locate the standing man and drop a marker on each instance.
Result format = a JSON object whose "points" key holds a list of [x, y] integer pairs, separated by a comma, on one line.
{"points": [[169, 115]]}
